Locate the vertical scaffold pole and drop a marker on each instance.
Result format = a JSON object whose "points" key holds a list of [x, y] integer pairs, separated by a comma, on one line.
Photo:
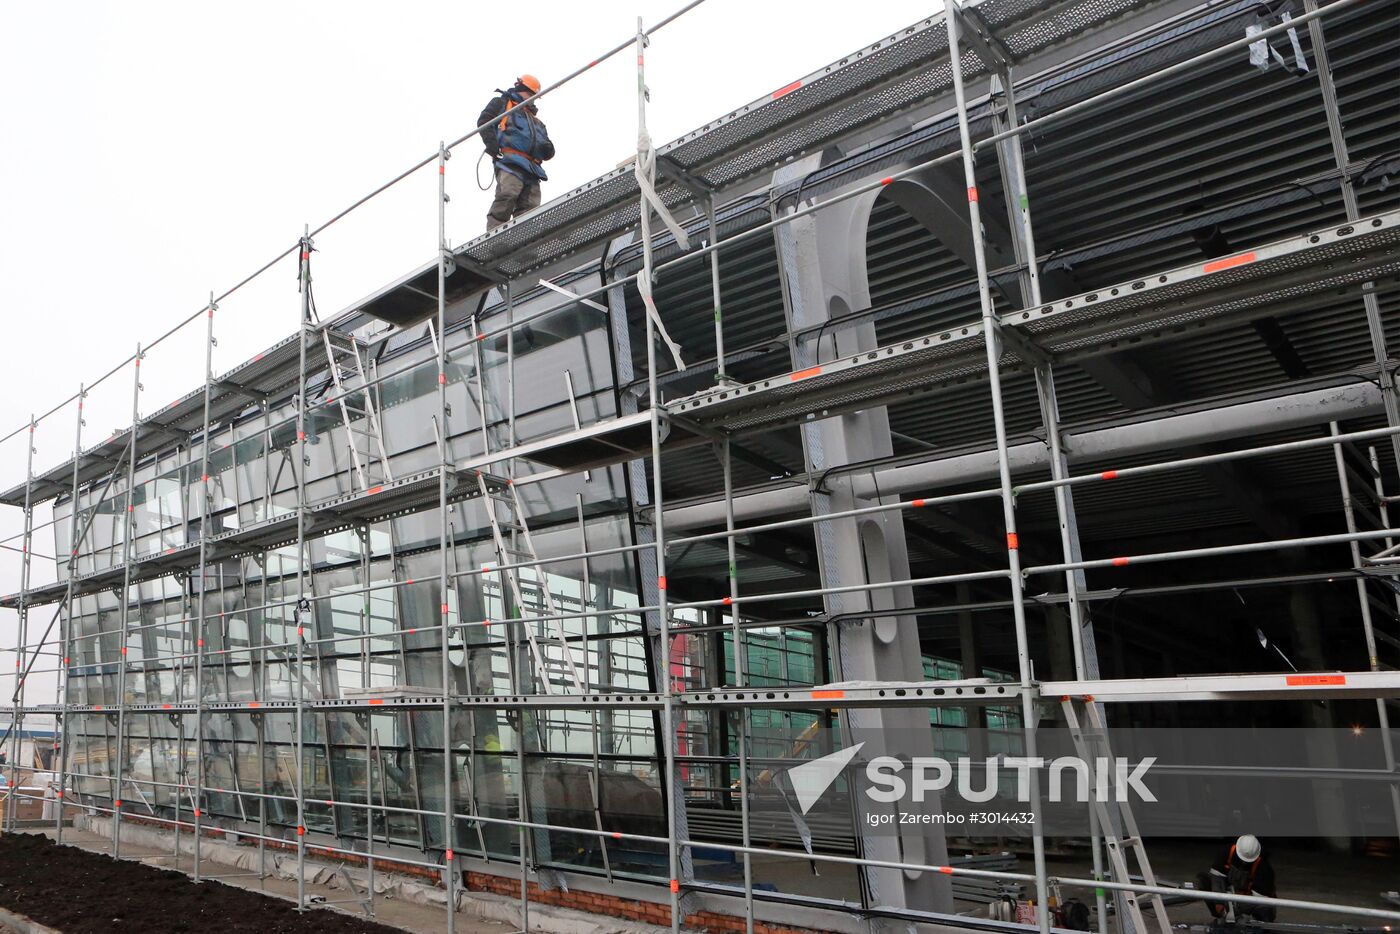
{"points": [[17, 701], [595, 777], [128, 554], [1008, 503], [673, 790], [1390, 395], [1367, 625], [721, 377], [740, 678], [302, 610], [1086, 660], [444, 465], [62, 738], [200, 606], [519, 652]]}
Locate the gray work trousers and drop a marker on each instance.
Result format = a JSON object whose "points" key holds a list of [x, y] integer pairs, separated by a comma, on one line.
{"points": [[514, 196]]}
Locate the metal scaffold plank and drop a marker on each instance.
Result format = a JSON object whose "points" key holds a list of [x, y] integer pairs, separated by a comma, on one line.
{"points": [[971, 692], [908, 69], [884, 694], [1214, 292], [902, 77], [1284, 686], [602, 443], [265, 375], [388, 500]]}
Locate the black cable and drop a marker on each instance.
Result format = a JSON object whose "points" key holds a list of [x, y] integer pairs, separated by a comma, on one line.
{"points": [[487, 186], [1360, 175]]}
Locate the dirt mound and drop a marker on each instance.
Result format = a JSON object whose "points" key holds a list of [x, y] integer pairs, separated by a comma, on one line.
{"points": [[79, 892]]}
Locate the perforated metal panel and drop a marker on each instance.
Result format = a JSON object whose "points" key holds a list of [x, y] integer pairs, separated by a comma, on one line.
{"points": [[1272, 275], [861, 89], [1028, 26], [882, 375], [1314, 263]]}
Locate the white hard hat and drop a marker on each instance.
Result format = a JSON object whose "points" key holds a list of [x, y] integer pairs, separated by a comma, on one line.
{"points": [[1247, 848]]}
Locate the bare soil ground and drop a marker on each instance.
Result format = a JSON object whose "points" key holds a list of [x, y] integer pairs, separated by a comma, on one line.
{"points": [[78, 892]]}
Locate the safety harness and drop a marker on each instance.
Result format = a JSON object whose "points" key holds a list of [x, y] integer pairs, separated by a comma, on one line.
{"points": [[1253, 867]]}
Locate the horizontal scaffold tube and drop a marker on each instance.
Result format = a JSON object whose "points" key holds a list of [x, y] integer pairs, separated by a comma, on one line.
{"points": [[1205, 425]]}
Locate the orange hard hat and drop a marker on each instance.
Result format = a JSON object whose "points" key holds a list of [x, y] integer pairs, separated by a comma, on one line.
{"points": [[529, 81]]}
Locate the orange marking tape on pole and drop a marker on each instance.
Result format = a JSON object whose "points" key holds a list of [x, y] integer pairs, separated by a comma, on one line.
{"points": [[1309, 680], [828, 695], [1013, 541], [1230, 262], [1119, 562], [804, 374], [786, 89]]}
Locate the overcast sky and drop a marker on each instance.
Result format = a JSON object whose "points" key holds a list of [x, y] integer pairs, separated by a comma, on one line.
{"points": [[154, 152]]}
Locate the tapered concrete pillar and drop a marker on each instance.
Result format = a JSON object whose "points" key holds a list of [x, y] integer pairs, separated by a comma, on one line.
{"points": [[823, 264]]}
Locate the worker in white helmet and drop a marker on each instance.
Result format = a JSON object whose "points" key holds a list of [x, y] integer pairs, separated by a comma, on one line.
{"points": [[1242, 869]]}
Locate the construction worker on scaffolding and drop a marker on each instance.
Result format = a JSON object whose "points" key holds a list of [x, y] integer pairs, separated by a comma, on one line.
{"points": [[518, 143], [1243, 869]]}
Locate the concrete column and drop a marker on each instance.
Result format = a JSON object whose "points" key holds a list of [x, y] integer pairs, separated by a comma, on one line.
{"points": [[824, 275]]}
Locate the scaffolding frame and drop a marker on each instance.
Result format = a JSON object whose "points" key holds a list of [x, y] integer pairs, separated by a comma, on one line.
{"points": [[641, 437]]}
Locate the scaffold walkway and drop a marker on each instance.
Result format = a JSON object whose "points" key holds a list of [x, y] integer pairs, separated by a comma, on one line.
{"points": [[554, 678], [977, 692], [1334, 260], [383, 501]]}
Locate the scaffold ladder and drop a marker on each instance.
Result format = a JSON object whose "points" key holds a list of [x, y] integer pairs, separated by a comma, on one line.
{"points": [[1378, 570], [365, 442], [551, 655], [1116, 820]]}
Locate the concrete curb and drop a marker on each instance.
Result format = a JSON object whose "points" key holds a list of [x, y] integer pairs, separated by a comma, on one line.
{"points": [[486, 906], [23, 924]]}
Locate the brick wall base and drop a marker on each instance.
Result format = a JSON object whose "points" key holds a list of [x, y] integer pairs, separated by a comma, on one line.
{"points": [[617, 907], [593, 902]]}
